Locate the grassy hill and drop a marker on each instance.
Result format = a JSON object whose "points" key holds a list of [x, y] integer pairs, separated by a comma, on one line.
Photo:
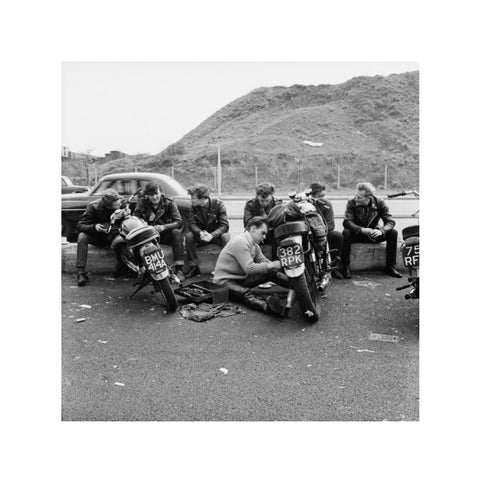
{"points": [[363, 125]]}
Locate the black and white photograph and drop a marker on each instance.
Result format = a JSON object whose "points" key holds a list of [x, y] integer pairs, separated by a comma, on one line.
{"points": [[227, 285], [243, 247]]}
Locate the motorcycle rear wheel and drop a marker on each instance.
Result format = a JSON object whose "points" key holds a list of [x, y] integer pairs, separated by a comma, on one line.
{"points": [[306, 293], [166, 290]]}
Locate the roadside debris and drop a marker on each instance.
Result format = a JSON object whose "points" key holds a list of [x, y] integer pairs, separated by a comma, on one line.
{"points": [[84, 306], [119, 384], [79, 320], [102, 341], [223, 370], [366, 284], [313, 144], [381, 337], [368, 351]]}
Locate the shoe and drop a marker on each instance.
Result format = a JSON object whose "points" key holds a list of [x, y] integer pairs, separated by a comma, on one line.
{"points": [[346, 273], [274, 306], [180, 275], [193, 272], [82, 278], [390, 270], [324, 282], [336, 274]]}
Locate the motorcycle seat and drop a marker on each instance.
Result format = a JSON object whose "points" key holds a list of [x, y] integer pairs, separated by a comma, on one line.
{"points": [[411, 231], [141, 235], [290, 228]]}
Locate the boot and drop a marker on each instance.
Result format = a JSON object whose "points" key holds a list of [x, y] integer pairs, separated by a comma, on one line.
{"points": [[346, 272], [82, 277]]}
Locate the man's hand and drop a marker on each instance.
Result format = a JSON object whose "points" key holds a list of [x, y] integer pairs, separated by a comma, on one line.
{"points": [[375, 233], [207, 237], [159, 228], [274, 265], [100, 228], [367, 231]]}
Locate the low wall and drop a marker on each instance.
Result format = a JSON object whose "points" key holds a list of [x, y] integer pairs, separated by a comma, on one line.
{"points": [[364, 257]]}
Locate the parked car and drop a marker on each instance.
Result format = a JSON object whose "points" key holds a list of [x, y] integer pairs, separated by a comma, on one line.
{"points": [[68, 186], [126, 184]]}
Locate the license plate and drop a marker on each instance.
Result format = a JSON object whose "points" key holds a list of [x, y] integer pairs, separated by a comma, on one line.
{"points": [[411, 256], [290, 256], [155, 262]]}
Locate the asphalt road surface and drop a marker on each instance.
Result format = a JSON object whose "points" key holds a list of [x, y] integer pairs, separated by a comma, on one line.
{"points": [[130, 360]]}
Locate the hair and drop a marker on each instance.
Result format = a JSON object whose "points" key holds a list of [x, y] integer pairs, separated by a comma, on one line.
{"points": [[256, 221], [367, 187], [151, 188], [198, 190], [315, 187], [265, 189], [109, 196]]}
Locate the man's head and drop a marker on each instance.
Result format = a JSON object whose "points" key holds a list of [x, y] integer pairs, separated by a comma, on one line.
{"points": [[365, 191], [153, 191], [264, 193], [257, 227], [317, 190], [111, 199], [198, 194]]}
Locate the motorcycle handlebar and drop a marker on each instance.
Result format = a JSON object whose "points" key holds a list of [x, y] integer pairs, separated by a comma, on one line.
{"points": [[403, 193]]}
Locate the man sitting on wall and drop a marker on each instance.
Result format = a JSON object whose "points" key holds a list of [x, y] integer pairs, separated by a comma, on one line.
{"points": [[261, 205], [94, 228], [162, 213], [241, 266], [208, 224], [362, 225], [334, 238]]}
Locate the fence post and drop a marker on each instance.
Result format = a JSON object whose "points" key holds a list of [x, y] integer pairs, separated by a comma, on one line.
{"points": [[219, 176], [338, 176]]}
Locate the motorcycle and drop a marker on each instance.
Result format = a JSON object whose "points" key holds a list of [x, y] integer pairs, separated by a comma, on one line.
{"points": [[302, 251], [410, 250], [144, 256]]}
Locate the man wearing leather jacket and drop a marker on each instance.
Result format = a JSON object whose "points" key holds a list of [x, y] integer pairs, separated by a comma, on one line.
{"points": [[162, 213], [261, 205], [208, 224], [241, 266], [94, 228], [334, 238], [362, 225]]}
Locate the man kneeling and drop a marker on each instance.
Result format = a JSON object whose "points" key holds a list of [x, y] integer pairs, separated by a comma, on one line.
{"points": [[241, 266]]}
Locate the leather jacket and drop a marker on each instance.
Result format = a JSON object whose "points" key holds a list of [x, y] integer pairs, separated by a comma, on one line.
{"points": [[358, 217], [254, 208], [211, 218], [167, 213]]}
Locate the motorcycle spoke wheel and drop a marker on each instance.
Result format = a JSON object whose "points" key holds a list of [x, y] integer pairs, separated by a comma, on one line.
{"points": [[163, 286], [309, 309]]}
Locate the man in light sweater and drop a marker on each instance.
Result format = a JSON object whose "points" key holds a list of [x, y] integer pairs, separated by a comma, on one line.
{"points": [[241, 266]]}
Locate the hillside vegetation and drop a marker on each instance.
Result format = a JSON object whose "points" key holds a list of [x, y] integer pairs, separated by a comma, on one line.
{"points": [[364, 124]]}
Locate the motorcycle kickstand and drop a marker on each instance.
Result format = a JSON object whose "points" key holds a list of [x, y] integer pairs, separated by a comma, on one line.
{"points": [[141, 284]]}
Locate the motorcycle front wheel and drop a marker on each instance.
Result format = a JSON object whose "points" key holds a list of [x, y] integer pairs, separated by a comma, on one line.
{"points": [[306, 293], [164, 287]]}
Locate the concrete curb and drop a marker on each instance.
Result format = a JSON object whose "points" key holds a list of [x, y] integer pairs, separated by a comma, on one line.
{"points": [[364, 257]]}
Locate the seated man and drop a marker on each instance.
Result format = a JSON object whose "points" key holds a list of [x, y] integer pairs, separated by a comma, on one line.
{"points": [[208, 224], [261, 205], [334, 238], [94, 228], [362, 225], [162, 213], [241, 265]]}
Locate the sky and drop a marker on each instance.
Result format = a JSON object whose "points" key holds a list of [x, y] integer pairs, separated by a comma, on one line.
{"points": [[143, 107]]}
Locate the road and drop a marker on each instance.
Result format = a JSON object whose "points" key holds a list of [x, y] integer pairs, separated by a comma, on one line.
{"points": [[401, 209], [130, 360]]}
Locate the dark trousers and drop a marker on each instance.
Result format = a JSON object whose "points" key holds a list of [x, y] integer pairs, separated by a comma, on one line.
{"points": [[239, 289], [174, 238], [335, 244], [97, 239], [193, 240], [350, 237]]}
